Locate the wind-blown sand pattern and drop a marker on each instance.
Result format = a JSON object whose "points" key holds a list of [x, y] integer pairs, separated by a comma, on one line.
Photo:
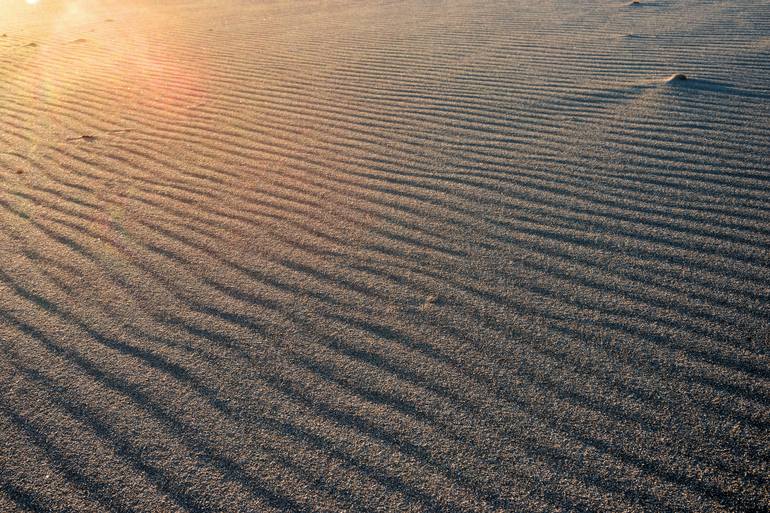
{"points": [[384, 256]]}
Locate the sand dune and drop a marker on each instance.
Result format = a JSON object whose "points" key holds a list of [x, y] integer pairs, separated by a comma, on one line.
{"points": [[384, 256]]}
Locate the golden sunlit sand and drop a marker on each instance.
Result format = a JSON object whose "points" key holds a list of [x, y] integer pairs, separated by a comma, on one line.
{"points": [[462, 255]]}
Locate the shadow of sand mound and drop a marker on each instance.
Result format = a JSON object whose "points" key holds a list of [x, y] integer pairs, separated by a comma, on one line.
{"points": [[685, 83]]}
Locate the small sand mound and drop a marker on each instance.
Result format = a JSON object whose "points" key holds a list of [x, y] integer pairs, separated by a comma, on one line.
{"points": [[677, 77], [79, 41]]}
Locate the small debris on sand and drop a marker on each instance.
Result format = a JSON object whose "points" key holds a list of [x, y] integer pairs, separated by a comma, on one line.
{"points": [[430, 301], [87, 138]]}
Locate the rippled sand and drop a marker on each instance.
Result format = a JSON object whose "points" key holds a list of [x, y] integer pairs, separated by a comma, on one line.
{"points": [[384, 256]]}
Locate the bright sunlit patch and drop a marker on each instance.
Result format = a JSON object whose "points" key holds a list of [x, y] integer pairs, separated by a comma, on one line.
{"points": [[32, 2]]}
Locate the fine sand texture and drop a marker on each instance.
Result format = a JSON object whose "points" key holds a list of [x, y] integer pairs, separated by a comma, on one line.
{"points": [[459, 256]]}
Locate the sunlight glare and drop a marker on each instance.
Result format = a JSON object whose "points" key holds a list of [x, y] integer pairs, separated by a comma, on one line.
{"points": [[32, 2]]}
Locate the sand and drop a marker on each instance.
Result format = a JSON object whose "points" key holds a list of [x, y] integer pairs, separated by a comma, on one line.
{"points": [[468, 255]]}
